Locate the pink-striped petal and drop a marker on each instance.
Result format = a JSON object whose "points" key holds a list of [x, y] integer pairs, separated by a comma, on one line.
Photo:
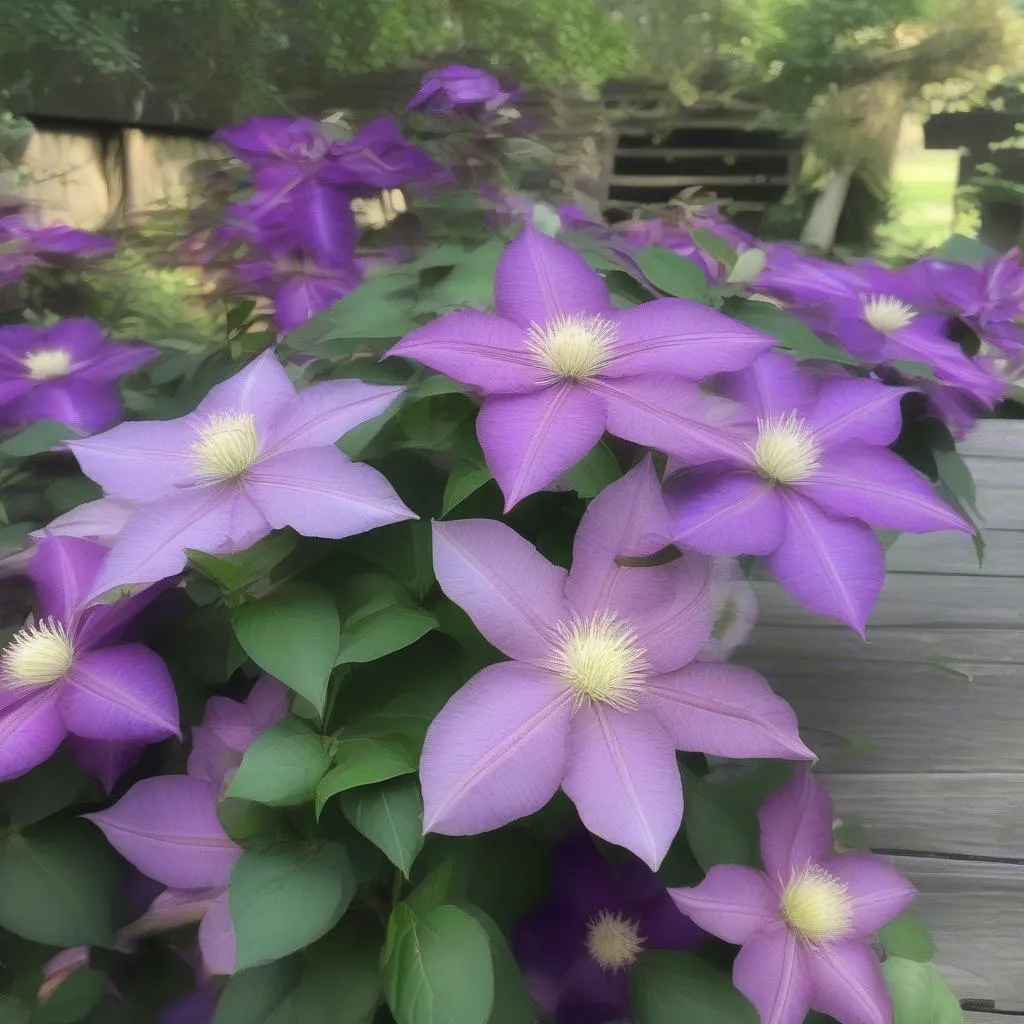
{"points": [[771, 970], [262, 388], [796, 826], [856, 410], [773, 385], [733, 902], [877, 891], [217, 937], [63, 569], [31, 729], [847, 983]]}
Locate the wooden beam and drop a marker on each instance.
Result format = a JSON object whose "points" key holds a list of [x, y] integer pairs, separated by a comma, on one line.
{"points": [[684, 180]]}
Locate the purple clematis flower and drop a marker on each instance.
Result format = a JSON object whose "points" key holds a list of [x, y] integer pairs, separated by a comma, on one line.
{"points": [[253, 457], [458, 86], [559, 365], [809, 481], [65, 373], [168, 828], [599, 694], [23, 245], [577, 951], [198, 1007], [805, 923], [66, 673]]}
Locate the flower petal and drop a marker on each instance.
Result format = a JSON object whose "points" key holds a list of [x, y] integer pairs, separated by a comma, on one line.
{"points": [[496, 752], [876, 486], [682, 338], [85, 405], [857, 410], [101, 520], [62, 570], [319, 493], [724, 710], [796, 826], [167, 826], [321, 414], [627, 518], [513, 594], [138, 461], [486, 352], [878, 892], [773, 385], [538, 279], [120, 693], [529, 440], [832, 566], [847, 984], [114, 360], [217, 937], [676, 417], [261, 388], [31, 729], [725, 513], [152, 544], [104, 760], [733, 902], [681, 627], [621, 773], [772, 972]]}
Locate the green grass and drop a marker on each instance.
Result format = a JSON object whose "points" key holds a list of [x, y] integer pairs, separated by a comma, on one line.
{"points": [[923, 207]]}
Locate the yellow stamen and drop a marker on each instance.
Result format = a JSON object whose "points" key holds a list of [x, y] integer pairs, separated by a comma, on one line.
{"points": [[817, 906], [575, 347], [47, 363], [786, 450], [37, 655], [228, 445], [886, 313], [613, 942], [601, 659]]}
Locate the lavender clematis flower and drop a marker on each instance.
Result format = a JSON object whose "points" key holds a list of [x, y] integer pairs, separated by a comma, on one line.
{"points": [[252, 457], [64, 372], [599, 694], [457, 86], [805, 923], [810, 480], [559, 365], [23, 245], [577, 951], [65, 673]]}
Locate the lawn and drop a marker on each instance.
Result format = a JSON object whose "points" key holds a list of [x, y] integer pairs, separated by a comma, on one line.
{"points": [[924, 186]]}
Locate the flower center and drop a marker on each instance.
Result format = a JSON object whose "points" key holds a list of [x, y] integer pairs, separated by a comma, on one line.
{"points": [[817, 906], [47, 363], [612, 941], [601, 659], [575, 347], [886, 313], [227, 446], [786, 449], [37, 655]]}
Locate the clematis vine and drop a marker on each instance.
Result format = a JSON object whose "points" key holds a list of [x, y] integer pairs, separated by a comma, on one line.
{"points": [[805, 922], [812, 480], [576, 952], [253, 457], [558, 365], [65, 372], [66, 673], [600, 692]]}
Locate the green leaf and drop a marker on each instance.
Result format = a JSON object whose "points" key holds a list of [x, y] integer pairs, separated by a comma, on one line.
{"points": [[73, 999], [437, 969], [251, 996], [38, 438], [961, 249], [512, 1001], [907, 937], [238, 571], [363, 760], [715, 247], [594, 472], [673, 274], [920, 996], [405, 550], [669, 987], [43, 791], [469, 283], [369, 637], [434, 385], [285, 896], [391, 817], [789, 332], [465, 479], [748, 265], [13, 1011], [58, 884], [293, 634], [282, 766], [436, 889]]}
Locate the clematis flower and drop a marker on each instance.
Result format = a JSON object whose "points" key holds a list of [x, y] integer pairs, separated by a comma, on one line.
{"points": [[167, 827], [65, 672], [805, 923], [65, 372], [253, 457], [229, 728], [23, 245], [457, 86], [559, 365], [811, 481], [599, 694], [198, 1007], [576, 952], [734, 610]]}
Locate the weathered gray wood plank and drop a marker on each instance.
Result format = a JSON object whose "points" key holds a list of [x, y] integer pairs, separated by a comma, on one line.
{"points": [[995, 438], [973, 1017], [944, 554]]}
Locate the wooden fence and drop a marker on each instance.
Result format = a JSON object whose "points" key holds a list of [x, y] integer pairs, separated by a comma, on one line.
{"points": [[920, 730]]}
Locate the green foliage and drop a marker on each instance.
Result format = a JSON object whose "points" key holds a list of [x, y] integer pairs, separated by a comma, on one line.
{"points": [[919, 994], [283, 766], [391, 817], [670, 986]]}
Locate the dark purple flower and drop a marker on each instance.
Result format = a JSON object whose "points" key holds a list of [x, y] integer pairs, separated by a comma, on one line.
{"points": [[806, 922], [378, 157], [65, 373], [23, 245], [269, 141], [812, 480], [577, 951], [66, 673], [458, 86], [198, 1007]]}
